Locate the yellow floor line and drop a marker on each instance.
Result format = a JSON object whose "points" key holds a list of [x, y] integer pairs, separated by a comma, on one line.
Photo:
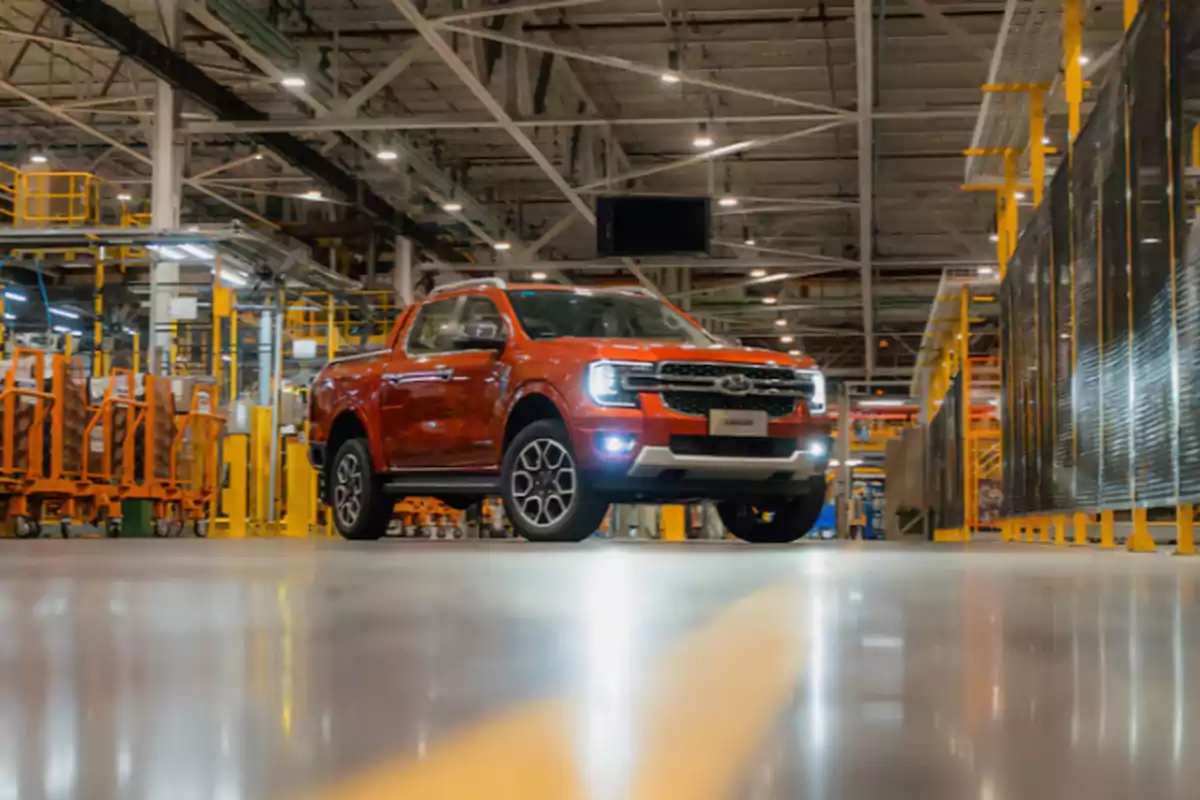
{"points": [[705, 706]]}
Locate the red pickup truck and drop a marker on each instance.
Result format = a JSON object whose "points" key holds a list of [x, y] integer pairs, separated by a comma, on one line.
{"points": [[564, 400]]}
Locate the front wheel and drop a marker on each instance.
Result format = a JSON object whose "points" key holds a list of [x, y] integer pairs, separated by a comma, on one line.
{"points": [[543, 495], [361, 509], [775, 521]]}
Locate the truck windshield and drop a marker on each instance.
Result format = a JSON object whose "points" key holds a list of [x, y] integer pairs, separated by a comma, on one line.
{"points": [[607, 315]]}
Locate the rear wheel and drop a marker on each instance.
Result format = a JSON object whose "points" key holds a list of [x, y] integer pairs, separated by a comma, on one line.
{"points": [[777, 520], [543, 496], [361, 509]]}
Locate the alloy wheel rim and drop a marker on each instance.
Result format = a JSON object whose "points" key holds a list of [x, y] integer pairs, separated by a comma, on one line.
{"points": [[348, 490], [543, 483]]}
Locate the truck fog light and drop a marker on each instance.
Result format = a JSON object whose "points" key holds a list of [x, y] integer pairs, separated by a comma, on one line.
{"points": [[817, 448], [617, 444]]}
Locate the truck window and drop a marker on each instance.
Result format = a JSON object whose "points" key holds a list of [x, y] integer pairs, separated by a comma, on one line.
{"points": [[433, 330], [481, 318]]}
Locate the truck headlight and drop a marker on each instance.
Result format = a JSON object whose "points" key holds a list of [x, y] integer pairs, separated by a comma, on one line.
{"points": [[607, 385], [816, 391]]}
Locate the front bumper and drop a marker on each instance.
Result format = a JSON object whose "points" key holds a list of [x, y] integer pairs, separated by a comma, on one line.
{"points": [[654, 462]]}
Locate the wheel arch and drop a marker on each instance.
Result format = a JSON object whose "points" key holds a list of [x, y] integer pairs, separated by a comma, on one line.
{"points": [[350, 423], [533, 403]]}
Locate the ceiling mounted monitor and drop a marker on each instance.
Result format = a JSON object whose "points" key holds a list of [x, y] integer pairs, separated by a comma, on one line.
{"points": [[652, 226]]}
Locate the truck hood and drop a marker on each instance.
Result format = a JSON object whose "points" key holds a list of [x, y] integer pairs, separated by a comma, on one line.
{"points": [[649, 350]]}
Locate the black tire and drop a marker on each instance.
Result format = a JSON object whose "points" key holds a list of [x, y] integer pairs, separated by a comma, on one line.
{"points": [[542, 502], [777, 520], [365, 510]]}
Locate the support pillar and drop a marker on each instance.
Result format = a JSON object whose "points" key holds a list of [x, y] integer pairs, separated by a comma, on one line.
{"points": [[1185, 530], [1140, 540], [166, 182], [1108, 524], [402, 272], [1072, 69], [845, 482], [1081, 529]]}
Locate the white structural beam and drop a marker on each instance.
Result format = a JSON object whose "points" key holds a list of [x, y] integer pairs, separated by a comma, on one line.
{"points": [[128, 151], [467, 76], [714, 154], [864, 58], [350, 106], [467, 122], [496, 11], [963, 39], [642, 69]]}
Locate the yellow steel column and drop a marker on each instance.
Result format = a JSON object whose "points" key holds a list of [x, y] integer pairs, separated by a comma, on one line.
{"points": [[98, 323], [1140, 541], [233, 353], [671, 523], [1185, 530], [237, 448], [1108, 539], [260, 465], [300, 511], [1037, 143], [330, 332], [1011, 216], [970, 500], [1072, 52], [137, 351], [1131, 12], [1081, 529], [1060, 530]]}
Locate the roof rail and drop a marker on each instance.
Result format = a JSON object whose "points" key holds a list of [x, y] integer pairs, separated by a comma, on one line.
{"points": [[450, 287]]}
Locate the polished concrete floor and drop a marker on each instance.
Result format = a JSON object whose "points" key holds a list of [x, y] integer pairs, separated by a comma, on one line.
{"points": [[239, 670]]}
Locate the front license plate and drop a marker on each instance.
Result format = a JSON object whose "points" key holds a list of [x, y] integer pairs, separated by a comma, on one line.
{"points": [[737, 423]]}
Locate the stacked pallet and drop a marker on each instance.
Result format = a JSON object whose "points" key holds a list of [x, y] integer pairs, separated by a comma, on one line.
{"points": [[24, 408]]}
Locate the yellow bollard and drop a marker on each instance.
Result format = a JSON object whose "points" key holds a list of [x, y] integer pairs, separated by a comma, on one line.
{"points": [[670, 523], [1044, 530], [1081, 529], [1107, 535], [260, 466], [1005, 531], [1185, 530], [299, 490], [1140, 541], [237, 448], [1060, 530]]}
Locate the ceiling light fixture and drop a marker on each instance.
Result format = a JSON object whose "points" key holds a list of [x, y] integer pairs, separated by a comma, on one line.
{"points": [[704, 139], [20, 298], [986, 272], [502, 246], [451, 207], [770, 301], [995, 237], [787, 339], [1019, 195], [62, 312], [539, 276], [728, 201], [293, 82], [671, 75], [793, 352], [1045, 140], [758, 273], [387, 155], [781, 323], [259, 156], [1084, 60], [313, 194], [124, 198], [38, 158]]}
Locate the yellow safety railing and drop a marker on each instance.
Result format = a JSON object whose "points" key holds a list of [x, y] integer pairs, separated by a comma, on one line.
{"points": [[9, 181], [57, 199]]}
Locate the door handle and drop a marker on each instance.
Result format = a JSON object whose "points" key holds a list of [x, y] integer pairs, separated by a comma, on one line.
{"points": [[418, 377]]}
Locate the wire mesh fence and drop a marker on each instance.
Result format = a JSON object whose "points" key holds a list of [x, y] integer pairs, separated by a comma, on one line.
{"points": [[1101, 301]]}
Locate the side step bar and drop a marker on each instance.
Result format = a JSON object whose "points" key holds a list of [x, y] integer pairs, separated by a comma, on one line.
{"points": [[443, 483]]}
